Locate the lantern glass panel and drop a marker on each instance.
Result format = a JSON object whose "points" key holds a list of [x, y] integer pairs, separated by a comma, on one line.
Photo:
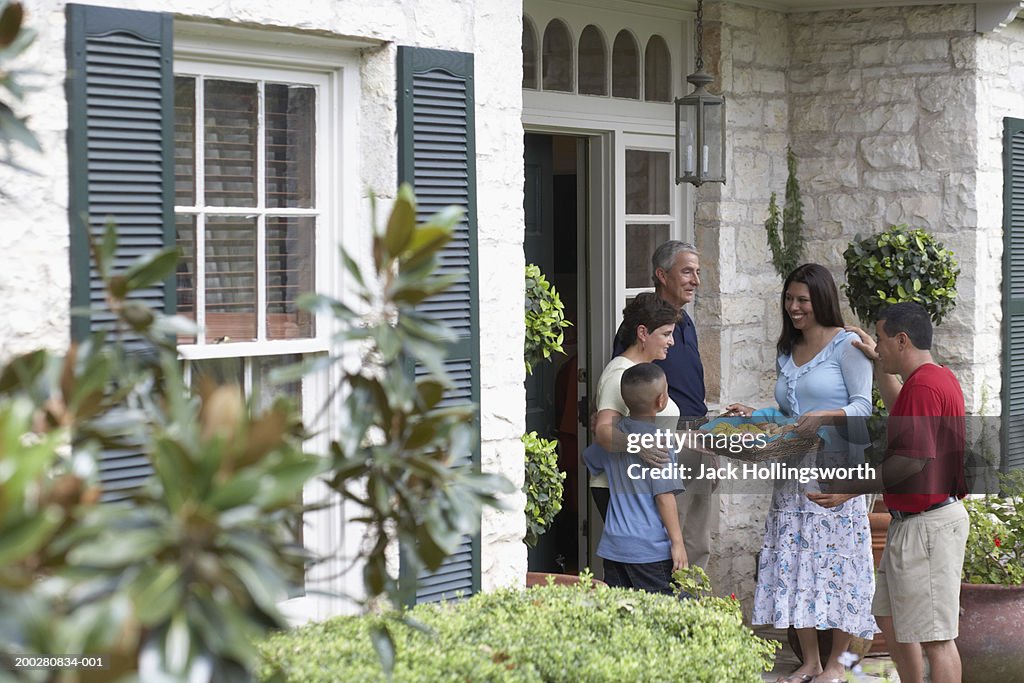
{"points": [[714, 125], [686, 115]]}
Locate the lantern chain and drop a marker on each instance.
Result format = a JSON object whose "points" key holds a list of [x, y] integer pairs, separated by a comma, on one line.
{"points": [[700, 35]]}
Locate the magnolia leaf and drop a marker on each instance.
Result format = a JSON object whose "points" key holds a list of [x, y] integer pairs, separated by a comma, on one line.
{"points": [[16, 130], [401, 223], [447, 218], [430, 392], [322, 303], [384, 644], [108, 247], [119, 547], [157, 591], [422, 434], [21, 373], [388, 343], [25, 537], [352, 267], [425, 242], [10, 23], [152, 268]]}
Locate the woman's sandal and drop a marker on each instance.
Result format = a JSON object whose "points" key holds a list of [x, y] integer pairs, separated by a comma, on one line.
{"points": [[797, 678]]}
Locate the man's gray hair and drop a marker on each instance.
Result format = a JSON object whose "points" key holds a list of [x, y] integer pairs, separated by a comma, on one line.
{"points": [[665, 255]]}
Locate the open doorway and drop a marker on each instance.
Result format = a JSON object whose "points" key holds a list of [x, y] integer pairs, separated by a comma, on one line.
{"points": [[554, 207]]}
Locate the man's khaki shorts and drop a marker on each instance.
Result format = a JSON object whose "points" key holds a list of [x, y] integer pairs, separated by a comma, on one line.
{"points": [[918, 579]]}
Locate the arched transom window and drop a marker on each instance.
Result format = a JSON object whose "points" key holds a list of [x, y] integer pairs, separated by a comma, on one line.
{"points": [[627, 66]]}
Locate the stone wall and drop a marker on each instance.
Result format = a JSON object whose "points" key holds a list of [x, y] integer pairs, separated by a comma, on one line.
{"points": [[999, 64], [35, 279], [882, 106]]}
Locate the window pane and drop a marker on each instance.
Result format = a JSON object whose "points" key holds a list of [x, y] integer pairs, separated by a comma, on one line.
{"points": [[641, 241], [218, 372], [290, 146], [291, 271], [229, 116], [648, 182], [529, 54], [186, 271], [593, 63], [625, 66], [657, 71], [230, 278], [264, 392], [184, 141], [557, 57]]}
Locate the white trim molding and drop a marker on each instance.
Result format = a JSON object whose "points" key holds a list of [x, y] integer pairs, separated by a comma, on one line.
{"points": [[990, 17]]}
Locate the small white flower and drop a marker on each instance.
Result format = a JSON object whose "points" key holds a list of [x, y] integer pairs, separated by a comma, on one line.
{"points": [[848, 659]]}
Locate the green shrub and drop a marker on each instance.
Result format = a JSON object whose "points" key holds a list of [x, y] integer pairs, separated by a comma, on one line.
{"points": [[550, 633], [545, 319], [542, 485], [900, 264]]}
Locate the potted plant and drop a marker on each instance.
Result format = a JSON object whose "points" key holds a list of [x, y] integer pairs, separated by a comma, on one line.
{"points": [[542, 485], [543, 488], [992, 593], [900, 264], [545, 319]]}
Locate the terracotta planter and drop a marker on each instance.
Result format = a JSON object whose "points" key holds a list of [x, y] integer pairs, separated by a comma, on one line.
{"points": [[991, 641], [879, 519]]}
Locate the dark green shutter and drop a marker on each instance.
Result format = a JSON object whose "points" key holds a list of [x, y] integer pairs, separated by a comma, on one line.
{"points": [[1013, 294], [121, 168], [436, 154]]}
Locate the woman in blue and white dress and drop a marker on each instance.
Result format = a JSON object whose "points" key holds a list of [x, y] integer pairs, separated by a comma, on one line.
{"points": [[815, 570]]}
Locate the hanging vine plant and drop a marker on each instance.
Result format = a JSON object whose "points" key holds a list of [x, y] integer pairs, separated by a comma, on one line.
{"points": [[787, 243]]}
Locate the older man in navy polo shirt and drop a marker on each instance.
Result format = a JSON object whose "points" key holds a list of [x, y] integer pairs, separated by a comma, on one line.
{"points": [[676, 268]]}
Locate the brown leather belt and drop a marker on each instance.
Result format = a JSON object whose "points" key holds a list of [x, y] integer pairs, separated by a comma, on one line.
{"points": [[897, 514]]}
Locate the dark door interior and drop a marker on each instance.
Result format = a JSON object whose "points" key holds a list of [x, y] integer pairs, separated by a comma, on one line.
{"points": [[552, 219]]}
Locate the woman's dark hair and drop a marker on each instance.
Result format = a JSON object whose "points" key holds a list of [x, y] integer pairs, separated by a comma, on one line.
{"points": [[824, 301], [647, 309]]}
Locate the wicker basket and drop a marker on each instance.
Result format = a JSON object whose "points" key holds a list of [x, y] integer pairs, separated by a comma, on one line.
{"points": [[787, 445]]}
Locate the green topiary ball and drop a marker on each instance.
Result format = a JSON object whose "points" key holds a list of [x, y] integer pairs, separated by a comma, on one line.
{"points": [[900, 264]]}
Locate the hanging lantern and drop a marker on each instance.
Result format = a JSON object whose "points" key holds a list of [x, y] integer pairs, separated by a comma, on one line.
{"points": [[700, 125]]}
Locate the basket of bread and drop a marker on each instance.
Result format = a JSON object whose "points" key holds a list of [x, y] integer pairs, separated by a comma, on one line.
{"points": [[756, 438]]}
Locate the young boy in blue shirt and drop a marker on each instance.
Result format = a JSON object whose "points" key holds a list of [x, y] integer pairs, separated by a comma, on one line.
{"points": [[642, 543]]}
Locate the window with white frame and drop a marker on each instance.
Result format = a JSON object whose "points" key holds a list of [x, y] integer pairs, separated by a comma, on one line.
{"points": [[266, 162], [246, 189]]}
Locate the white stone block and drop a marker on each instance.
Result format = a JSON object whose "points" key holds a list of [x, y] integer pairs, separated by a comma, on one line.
{"points": [[993, 56], [940, 19], [745, 112], [813, 115], [872, 55], [920, 211], [886, 152], [964, 51], [893, 118], [919, 50], [825, 175]]}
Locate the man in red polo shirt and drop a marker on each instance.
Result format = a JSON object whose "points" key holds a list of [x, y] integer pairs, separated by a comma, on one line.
{"points": [[917, 593]]}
